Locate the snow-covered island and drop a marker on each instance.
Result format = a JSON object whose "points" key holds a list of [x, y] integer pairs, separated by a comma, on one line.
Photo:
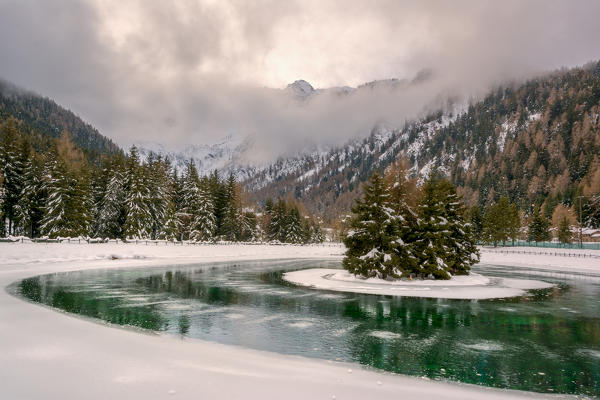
{"points": [[467, 287]]}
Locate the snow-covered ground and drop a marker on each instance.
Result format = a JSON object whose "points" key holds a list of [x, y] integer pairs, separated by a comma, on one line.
{"points": [[559, 260], [45, 354], [470, 287]]}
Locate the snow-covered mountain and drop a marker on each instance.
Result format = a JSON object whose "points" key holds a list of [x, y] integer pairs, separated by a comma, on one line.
{"points": [[221, 155], [535, 142]]}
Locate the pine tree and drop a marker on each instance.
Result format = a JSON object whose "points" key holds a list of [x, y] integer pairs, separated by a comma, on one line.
{"points": [[219, 200], [445, 243], [2, 200], [160, 193], [138, 220], [82, 206], [564, 230], [231, 215], [317, 234], [539, 227], [249, 231], [29, 210], [198, 209], [371, 242], [111, 210], [477, 221], [592, 212], [293, 227], [170, 228], [11, 160], [277, 230], [403, 191], [59, 186], [204, 222]]}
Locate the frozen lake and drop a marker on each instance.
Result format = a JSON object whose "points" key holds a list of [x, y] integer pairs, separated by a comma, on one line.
{"points": [[545, 341]]}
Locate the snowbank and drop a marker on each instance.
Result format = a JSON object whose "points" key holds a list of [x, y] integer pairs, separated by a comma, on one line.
{"points": [[561, 260], [470, 287], [45, 354]]}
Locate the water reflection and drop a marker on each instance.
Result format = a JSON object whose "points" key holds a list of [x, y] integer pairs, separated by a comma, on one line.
{"points": [[548, 341]]}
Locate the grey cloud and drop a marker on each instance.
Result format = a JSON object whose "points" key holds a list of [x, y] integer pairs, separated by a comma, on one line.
{"points": [[193, 72]]}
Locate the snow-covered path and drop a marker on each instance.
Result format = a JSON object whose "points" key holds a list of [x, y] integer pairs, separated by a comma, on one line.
{"points": [[45, 354]]}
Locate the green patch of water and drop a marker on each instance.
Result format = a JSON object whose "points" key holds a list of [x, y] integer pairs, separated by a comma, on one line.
{"points": [[546, 341]]}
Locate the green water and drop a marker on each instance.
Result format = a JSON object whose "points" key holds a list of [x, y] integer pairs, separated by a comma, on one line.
{"points": [[547, 341]]}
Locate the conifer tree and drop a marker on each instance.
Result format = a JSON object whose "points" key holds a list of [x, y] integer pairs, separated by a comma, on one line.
{"points": [[231, 215], [11, 162], [277, 229], [2, 197], [82, 207], [403, 191], [198, 207], [317, 234], [477, 221], [371, 242], [564, 230], [293, 227], [501, 222], [160, 193], [111, 210], [592, 212], [59, 186], [204, 222], [445, 245], [219, 200], [169, 230], [29, 210], [249, 227], [138, 219], [539, 227]]}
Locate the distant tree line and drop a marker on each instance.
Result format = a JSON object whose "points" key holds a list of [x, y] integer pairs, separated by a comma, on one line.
{"points": [[502, 222], [58, 193]]}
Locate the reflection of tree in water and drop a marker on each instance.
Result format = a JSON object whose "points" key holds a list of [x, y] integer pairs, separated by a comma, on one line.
{"points": [[423, 336], [184, 324], [111, 309], [407, 335]]}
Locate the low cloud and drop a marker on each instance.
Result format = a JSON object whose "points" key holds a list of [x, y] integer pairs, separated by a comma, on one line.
{"points": [[192, 72]]}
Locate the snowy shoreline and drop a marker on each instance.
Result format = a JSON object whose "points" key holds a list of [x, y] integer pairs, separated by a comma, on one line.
{"points": [[471, 287], [45, 354]]}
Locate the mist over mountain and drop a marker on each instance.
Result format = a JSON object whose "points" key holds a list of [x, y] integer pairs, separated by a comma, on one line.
{"points": [[196, 72]]}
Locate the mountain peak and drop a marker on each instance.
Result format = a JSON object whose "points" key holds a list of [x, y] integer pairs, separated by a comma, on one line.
{"points": [[301, 88]]}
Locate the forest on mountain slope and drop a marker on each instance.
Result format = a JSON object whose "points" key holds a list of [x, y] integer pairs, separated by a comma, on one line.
{"points": [[534, 142], [42, 121]]}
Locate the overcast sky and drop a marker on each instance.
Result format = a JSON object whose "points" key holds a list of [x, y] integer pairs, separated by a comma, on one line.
{"points": [[193, 71]]}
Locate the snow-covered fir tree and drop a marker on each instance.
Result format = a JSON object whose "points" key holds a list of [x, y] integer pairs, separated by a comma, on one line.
{"points": [[2, 197], [294, 232], [445, 245], [231, 216], [403, 191], [160, 189], [29, 210], [169, 229], [277, 220], [204, 221], [371, 241], [111, 210], [316, 234], [249, 227], [59, 186], [138, 218], [198, 208], [11, 161]]}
